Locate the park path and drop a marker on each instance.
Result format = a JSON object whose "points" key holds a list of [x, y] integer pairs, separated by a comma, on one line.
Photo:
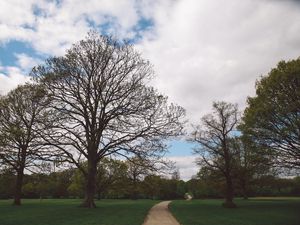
{"points": [[159, 214]]}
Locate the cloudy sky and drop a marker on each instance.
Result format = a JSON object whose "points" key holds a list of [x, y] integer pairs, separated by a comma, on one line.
{"points": [[202, 50]]}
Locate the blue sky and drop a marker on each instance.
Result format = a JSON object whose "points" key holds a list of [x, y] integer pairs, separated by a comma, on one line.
{"points": [[201, 50], [180, 148], [8, 51]]}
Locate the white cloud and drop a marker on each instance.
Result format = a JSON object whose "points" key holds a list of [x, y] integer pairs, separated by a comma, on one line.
{"points": [[51, 27], [215, 50], [202, 50], [11, 77], [26, 62], [186, 165], [16, 13]]}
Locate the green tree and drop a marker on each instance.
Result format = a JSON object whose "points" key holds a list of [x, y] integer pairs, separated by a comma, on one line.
{"points": [[109, 174], [76, 187], [272, 117], [103, 106], [210, 182], [152, 185], [138, 168], [6, 183], [180, 189], [111, 181], [58, 183], [252, 161]]}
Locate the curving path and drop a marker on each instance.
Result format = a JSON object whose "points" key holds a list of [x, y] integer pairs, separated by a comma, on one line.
{"points": [[159, 214]]}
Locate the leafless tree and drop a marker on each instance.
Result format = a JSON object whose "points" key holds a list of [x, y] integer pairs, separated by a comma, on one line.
{"points": [[216, 148], [22, 111], [103, 105]]}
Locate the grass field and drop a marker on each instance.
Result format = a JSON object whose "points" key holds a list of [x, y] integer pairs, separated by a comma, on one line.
{"points": [[255, 211], [67, 212]]}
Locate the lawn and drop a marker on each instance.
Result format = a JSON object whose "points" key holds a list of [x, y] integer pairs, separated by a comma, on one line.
{"points": [[67, 212], [255, 211]]}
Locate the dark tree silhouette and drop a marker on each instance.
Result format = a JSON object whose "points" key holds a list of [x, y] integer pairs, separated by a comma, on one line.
{"points": [[217, 149], [102, 105], [252, 161], [22, 112]]}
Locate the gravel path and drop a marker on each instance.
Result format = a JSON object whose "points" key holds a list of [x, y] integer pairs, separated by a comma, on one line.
{"points": [[160, 215]]}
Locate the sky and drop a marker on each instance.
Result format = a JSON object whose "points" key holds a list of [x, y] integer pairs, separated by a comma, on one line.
{"points": [[202, 50]]}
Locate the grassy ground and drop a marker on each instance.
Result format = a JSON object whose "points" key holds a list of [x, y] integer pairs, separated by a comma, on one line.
{"points": [[255, 211], [67, 212]]}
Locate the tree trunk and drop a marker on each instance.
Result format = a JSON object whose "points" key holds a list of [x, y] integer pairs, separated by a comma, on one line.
{"points": [[134, 192], [18, 187], [99, 194], [244, 189], [228, 175], [229, 194], [90, 188]]}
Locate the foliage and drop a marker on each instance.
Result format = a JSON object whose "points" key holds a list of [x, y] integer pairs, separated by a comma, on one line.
{"points": [[76, 187], [103, 106], [208, 183], [22, 116], [217, 149], [157, 187], [111, 174], [272, 117], [139, 168], [69, 183], [251, 162], [7, 182]]}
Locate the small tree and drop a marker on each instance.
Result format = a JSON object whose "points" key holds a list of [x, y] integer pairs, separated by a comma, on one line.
{"points": [[22, 112], [216, 146], [103, 106]]}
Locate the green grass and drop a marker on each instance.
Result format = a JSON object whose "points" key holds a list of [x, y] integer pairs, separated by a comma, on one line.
{"points": [[255, 211], [67, 212]]}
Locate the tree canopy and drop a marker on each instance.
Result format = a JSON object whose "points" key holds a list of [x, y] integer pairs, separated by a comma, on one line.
{"points": [[22, 116], [102, 105], [216, 146], [272, 117]]}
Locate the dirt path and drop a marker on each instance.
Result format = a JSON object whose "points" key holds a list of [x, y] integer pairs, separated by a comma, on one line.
{"points": [[160, 215]]}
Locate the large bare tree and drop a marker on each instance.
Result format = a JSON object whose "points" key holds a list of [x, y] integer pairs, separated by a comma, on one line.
{"points": [[22, 112], [217, 148], [103, 105]]}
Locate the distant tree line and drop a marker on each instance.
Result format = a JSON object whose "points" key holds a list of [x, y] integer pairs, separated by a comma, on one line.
{"points": [[211, 184], [115, 181]]}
